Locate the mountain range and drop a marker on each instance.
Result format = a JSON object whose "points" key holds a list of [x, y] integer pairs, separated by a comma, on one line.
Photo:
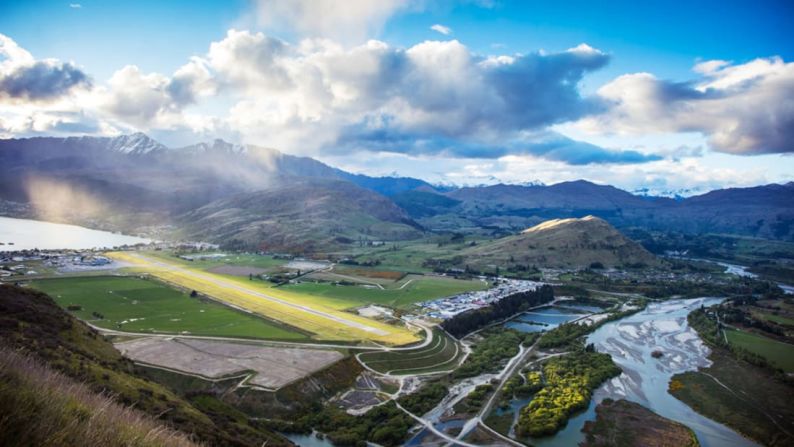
{"points": [[258, 196]]}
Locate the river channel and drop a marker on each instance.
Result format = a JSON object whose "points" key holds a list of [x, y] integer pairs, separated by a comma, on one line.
{"points": [[630, 341]]}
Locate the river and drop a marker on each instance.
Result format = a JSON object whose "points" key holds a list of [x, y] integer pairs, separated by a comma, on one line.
{"points": [[630, 341], [26, 234]]}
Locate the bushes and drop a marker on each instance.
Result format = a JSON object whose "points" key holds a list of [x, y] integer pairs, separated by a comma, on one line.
{"points": [[425, 399], [475, 400], [569, 382], [489, 354], [385, 424]]}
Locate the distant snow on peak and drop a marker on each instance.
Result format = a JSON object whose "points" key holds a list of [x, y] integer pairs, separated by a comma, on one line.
{"points": [[671, 193], [216, 146], [135, 144]]}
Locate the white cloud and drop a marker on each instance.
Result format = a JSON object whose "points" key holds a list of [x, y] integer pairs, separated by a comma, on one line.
{"points": [[319, 95], [742, 108], [351, 21], [75, 5], [445, 30]]}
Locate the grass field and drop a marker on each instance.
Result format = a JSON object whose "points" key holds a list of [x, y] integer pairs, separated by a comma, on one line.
{"points": [[785, 321], [752, 401], [416, 289], [409, 256], [248, 260], [311, 313], [139, 305], [440, 355], [779, 353]]}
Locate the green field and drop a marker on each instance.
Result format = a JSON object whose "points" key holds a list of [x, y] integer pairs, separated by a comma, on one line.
{"points": [[785, 321], [247, 260], [140, 305], [747, 398], [440, 355], [420, 288], [776, 352], [409, 256]]}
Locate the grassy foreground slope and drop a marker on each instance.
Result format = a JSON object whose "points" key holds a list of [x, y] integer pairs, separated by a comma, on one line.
{"points": [[137, 305], [31, 322], [302, 311], [41, 407]]}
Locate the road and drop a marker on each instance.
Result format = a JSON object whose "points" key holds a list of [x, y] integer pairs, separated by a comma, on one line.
{"points": [[433, 429]]}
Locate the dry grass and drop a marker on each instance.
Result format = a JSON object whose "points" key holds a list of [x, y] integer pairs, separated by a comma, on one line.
{"points": [[41, 407]]}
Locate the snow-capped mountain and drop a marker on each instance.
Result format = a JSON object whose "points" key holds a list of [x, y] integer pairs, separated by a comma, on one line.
{"points": [[217, 146], [134, 144]]}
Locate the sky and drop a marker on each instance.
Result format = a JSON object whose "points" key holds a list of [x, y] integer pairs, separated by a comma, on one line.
{"points": [[664, 97]]}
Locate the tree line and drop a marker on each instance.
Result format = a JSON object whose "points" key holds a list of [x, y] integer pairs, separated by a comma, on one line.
{"points": [[471, 320]]}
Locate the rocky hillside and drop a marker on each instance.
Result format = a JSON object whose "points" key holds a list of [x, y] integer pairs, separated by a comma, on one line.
{"points": [[566, 243], [300, 215]]}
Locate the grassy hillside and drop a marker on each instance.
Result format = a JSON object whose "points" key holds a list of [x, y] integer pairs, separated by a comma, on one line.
{"points": [[41, 407], [569, 243], [300, 216], [31, 322]]}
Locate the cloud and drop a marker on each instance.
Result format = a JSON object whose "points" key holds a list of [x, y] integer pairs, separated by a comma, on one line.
{"points": [[542, 144], [307, 96], [190, 82], [445, 30], [353, 21], [741, 108], [22, 78], [75, 5]]}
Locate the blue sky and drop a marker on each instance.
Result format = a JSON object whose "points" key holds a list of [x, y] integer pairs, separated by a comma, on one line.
{"points": [[509, 101]]}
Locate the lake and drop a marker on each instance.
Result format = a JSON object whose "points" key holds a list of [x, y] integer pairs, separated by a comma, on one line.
{"points": [[26, 234]]}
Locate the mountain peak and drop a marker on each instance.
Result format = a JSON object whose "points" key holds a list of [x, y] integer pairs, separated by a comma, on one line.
{"points": [[588, 220], [218, 145], [137, 143]]}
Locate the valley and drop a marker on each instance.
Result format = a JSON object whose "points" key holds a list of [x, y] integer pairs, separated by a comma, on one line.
{"points": [[300, 303], [396, 223]]}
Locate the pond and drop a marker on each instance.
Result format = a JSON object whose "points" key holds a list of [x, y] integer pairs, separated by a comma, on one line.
{"points": [[543, 319], [26, 234]]}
